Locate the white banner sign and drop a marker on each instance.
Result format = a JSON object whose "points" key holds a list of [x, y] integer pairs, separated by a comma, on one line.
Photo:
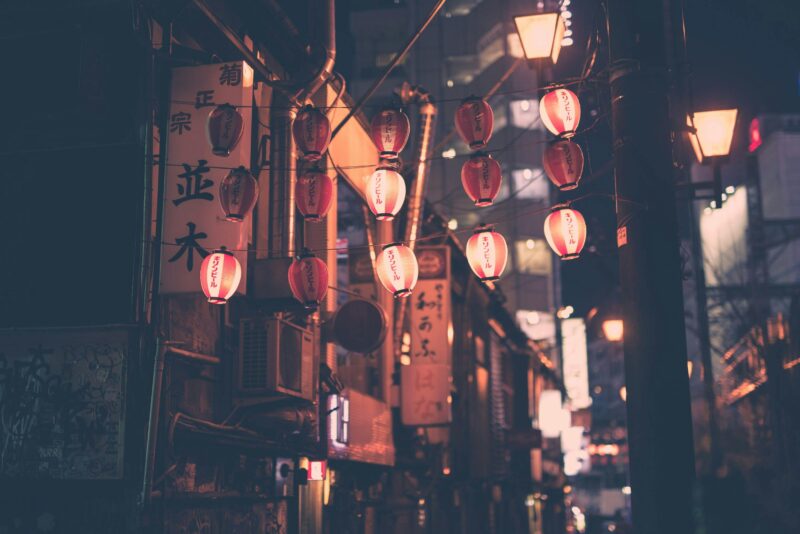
{"points": [[575, 364]]}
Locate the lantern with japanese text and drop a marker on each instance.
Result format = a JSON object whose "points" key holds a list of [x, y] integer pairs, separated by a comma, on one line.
{"points": [[308, 279], [487, 253], [312, 133], [565, 231], [474, 122], [220, 275], [397, 269], [238, 193], [313, 194], [390, 130], [563, 163], [560, 111], [386, 191], [224, 129], [481, 178]]}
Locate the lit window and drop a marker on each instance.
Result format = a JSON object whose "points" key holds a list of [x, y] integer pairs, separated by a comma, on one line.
{"points": [[344, 420]]}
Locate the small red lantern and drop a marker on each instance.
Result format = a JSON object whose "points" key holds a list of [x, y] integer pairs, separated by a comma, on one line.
{"points": [[238, 193], [474, 122], [224, 129], [390, 130], [565, 230], [313, 194], [481, 178], [312, 132], [487, 253], [386, 191], [397, 269], [563, 163], [220, 275], [308, 279], [560, 111]]}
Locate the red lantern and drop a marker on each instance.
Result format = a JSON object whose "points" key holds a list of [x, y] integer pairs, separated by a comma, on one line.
{"points": [[487, 253], [563, 163], [224, 129], [220, 275], [560, 111], [397, 269], [312, 133], [313, 194], [238, 193], [386, 191], [308, 279], [565, 230], [481, 178], [474, 122], [390, 130]]}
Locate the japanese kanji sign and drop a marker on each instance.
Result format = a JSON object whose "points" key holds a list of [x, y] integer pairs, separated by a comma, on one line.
{"points": [[575, 364], [193, 221]]}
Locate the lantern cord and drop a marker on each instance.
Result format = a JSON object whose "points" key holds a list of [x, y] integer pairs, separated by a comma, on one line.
{"points": [[346, 292]]}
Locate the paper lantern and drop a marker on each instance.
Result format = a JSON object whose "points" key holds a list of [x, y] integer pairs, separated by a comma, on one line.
{"points": [[220, 275], [487, 253], [397, 269], [481, 178], [386, 191], [390, 131], [563, 163], [238, 193], [560, 111], [565, 230], [224, 129], [313, 194], [308, 279], [312, 133], [474, 122]]}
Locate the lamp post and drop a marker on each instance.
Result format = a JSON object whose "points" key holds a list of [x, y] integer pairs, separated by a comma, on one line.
{"points": [[541, 35], [711, 135]]}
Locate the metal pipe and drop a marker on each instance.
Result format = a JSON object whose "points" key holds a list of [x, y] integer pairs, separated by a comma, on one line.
{"points": [[283, 176], [191, 355], [326, 70], [152, 423]]}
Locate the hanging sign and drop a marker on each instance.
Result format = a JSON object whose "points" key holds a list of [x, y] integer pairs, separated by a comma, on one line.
{"points": [[575, 364]]}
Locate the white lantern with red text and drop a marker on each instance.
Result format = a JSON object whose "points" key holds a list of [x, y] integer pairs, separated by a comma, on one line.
{"points": [[312, 133], [565, 231], [390, 130], [220, 275], [224, 129], [563, 163], [475, 122], [386, 191], [481, 178], [238, 193], [560, 111], [487, 253], [308, 279], [397, 269], [313, 194]]}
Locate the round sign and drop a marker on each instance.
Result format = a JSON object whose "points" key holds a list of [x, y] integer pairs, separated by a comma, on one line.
{"points": [[359, 326]]}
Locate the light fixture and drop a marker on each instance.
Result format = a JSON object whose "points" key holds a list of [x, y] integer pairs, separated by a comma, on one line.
{"points": [[312, 133], [711, 138], [313, 194], [481, 178], [390, 130], [238, 193], [220, 275], [487, 253], [613, 329], [386, 192], [475, 122], [397, 269], [308, 279], [560, 111], [563, 163], [565, 231], [541, 35]]}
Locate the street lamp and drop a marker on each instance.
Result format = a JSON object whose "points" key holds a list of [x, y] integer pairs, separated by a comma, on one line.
{"points": [[613, 329], [541, 35], [711, 135]]}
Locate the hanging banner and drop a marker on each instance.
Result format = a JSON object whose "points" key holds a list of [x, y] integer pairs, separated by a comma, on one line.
{"points": [[193, 221], [575, 364]]}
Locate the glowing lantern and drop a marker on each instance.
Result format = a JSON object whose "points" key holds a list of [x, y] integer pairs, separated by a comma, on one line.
{"points": [[563, 163], [541, 35], [565, 230], [613, 329], [481, 178], [224, 129], [220, 274], [474, 122], [313, 194], [312, 132], [714, 134], [386, 191], [308, 279], [560, 111], [238, 193], [390, 130], [397, 269], [487, 253]]}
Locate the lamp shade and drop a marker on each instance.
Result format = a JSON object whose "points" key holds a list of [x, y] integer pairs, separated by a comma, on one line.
{"points": [[238, 193], [541, 35], [474, 122], [560, 111], [487, 253], [613, 329], [386, 191], [714, 133], [220, 275], [313, 194], [563, 163], [308, 279], [481, 177], [224, 129], [390, 130], [565, 231], [397, 269], [312, 133]]}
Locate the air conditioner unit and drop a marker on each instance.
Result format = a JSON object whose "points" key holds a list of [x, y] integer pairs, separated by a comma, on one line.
{"points": [[276, 357]]}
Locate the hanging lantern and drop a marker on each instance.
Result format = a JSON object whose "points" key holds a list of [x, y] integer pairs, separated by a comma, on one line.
{"points": [[238, 193], [487, 253], [397, 269], [313, 194], [474, 122], [220, 274], [563, 163], [390, 130], [560, 111], [224, 129], [308, 279], [312, 133], [565, 230], [386, 191], [481, 178]]}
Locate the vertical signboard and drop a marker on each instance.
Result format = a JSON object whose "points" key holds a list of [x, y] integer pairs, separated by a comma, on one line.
{"points": [[575, 363], [193, 221]]}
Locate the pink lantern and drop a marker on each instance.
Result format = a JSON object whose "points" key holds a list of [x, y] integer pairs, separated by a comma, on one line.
{"points": [[474, 122], [390, 131], [313, 194], [563, 163], [487, 253], [308, 279], [220, 275], [565, 231], [224, 129], [386, 191], [481, 178], [560, 111], [312, 133], [397, 269], [238, 193]]}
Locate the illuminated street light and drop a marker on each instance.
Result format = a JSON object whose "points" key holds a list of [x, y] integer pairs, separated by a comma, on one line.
{"points": [[711, 135], [541, 35], [613, 329]]}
